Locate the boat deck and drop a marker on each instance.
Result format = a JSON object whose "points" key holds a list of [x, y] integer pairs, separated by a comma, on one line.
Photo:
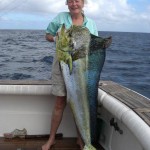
{"points": [[36, 143], [138, 103]]}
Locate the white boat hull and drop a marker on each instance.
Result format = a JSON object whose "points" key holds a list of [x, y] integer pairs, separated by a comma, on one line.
{"points": [[30, 106], [133, 133]]}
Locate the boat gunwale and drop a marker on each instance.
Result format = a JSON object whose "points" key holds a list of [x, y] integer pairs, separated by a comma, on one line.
{"points": [[127, 116], [25, 82]]}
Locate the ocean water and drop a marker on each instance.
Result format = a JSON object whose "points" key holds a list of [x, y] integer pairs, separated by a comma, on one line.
{"points": [[26, 55]]}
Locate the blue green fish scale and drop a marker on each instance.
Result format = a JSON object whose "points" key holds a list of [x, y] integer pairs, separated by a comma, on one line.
{"points": [[96, 60], [87, 59]]}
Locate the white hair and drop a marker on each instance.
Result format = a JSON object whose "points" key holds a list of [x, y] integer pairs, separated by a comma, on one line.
{"points": [[85, 1]]}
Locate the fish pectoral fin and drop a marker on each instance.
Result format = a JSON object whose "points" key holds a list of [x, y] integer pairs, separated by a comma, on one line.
{"points": [[89, 147]]}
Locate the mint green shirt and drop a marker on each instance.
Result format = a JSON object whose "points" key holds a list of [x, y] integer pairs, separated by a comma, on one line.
{"points": [[54, 27], [65, 18]]}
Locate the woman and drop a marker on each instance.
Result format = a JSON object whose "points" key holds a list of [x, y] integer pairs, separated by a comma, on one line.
{"points": [[75, 16]]}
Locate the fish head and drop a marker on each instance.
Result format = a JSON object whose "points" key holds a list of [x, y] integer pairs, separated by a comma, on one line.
{"points": [[80, 40], [63, 40], [64, 47]]}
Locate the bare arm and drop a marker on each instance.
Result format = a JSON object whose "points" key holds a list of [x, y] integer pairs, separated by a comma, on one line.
{"points": [[49, 37]]}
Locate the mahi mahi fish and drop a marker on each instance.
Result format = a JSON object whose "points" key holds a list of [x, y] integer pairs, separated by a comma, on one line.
{"points": [[81, 58]]}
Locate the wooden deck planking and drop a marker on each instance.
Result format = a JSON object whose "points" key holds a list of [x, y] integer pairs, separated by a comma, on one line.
{"points": [[25, 82], [137, 102], [132, 99], [36, 143], [145, 113]]}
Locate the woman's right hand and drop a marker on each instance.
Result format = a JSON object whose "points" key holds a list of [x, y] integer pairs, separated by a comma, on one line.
{"points": [[50, 38]]}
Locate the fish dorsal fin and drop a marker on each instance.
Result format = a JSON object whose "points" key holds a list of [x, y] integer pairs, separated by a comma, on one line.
{"points": [[63, 29]]}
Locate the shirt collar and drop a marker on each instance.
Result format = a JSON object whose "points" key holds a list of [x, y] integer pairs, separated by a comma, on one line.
{"points": [[69, 19], [84, 22]]}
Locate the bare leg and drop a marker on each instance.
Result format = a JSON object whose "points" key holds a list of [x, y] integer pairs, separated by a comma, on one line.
{"points": [[79, 140], [60, 105]]}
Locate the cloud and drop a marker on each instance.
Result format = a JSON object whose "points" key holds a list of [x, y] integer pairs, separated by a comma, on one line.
{"points": [[116, 14], [32, 6], [119, 14]]}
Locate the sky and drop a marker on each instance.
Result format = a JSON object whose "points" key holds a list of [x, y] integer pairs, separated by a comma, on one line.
{"points": [[109, 15]]}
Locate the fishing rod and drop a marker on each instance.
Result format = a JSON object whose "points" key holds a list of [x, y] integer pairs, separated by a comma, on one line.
{"points": [[9, 6]]}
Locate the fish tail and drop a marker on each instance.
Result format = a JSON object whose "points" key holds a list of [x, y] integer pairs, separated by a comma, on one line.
{"points": [[89, 147]]}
